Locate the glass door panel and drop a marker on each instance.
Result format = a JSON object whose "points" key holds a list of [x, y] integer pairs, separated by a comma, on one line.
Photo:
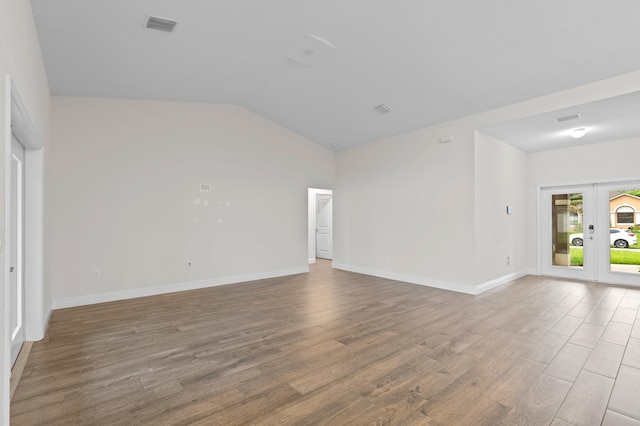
{"points": [[567, 240], [566, 224], [620, 254]]}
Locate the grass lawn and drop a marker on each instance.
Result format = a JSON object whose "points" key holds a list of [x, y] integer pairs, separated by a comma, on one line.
{"points": [[576, 256], [618, 257]]}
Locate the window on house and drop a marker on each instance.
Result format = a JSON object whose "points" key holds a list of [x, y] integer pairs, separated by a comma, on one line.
{"points": [[625, 218]]}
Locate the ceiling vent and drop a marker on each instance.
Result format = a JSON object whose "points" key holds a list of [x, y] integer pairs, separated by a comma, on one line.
{"points": [[568, 118], [160, 24], [382, 108]]}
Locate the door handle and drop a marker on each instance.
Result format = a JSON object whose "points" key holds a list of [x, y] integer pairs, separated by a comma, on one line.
{"points": [[12, 268]]}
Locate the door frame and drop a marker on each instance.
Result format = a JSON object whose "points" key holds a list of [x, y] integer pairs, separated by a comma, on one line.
{"points": [[37, 310], [311, 235], [16, 246]]}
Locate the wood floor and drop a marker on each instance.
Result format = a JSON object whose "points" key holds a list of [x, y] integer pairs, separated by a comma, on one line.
{"points": [[338, 348]]}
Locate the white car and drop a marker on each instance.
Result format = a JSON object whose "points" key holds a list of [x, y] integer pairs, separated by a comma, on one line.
{"points": [[619, 238]]}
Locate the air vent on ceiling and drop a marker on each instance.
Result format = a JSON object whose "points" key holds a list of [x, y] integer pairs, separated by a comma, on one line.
{"points": [[568, 118], [161, 24], [382, 108]]}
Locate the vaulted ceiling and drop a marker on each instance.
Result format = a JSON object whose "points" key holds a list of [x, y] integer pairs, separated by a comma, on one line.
{"points": [[320, 67]]}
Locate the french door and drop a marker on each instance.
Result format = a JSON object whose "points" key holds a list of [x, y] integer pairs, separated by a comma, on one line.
{"points": [[587, 232]]}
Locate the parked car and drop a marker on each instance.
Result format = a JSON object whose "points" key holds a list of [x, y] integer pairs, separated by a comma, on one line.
{"points": [[619, 238]]}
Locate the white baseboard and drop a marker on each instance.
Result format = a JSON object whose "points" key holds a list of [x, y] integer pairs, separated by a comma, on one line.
{"points": [[481, 288], [34, 334], [312, 260], [90, 299], [46, 321], [444, 285]]}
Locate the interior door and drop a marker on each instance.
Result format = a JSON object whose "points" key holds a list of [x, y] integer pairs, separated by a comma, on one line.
{"points": [[569, 232], [16, 255], [324, 226]]}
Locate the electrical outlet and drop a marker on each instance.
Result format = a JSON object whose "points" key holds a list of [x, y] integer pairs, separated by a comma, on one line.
{"points": [[97, 273], [508, 260]]}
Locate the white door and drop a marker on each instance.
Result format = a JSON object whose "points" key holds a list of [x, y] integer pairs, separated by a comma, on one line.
{"points": [[569, 232], [16, 255], [324, 225]]}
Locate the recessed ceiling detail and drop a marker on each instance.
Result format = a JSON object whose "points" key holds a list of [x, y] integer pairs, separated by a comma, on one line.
{"points": [[605, 120], [322, 40], [382, 109], [568, 118], [160, 24], [310, 51]]}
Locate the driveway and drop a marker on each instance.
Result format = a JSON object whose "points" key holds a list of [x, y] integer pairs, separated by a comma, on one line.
{"points": [[625, 268]]}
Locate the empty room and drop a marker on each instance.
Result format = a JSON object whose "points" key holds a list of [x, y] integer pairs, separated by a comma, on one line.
{"points": [[320, 212]]}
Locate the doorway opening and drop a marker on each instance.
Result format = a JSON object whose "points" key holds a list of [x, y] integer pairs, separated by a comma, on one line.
{"points": [[35, 311], [320, 224]]}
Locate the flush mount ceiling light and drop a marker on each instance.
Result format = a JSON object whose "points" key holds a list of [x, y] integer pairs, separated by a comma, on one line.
{"points": [[578, 133], [160, 24], [382, 109]]}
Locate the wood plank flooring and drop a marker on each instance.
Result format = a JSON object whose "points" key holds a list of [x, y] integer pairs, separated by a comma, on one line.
{"points": [[338, 348]]}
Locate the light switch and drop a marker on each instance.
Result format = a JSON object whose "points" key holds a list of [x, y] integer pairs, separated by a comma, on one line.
{"points": [[509, 210]]}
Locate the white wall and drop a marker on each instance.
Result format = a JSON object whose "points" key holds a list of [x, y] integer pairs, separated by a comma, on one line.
{"points": [[405, 205], [410, 208], [20, 57], [127, 178], [500, 181], [615, 160]]}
